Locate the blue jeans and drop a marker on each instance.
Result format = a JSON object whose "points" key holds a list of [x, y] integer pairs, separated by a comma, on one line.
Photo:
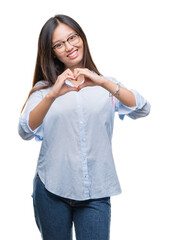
{"points": [[55, 215]]}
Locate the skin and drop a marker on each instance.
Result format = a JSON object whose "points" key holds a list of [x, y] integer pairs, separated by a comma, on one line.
{"points": [[73, 72], [61, 33]]}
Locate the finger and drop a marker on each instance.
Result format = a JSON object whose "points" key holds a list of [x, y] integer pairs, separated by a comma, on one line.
{"points": [[69, 72], [73, 89], [82, 85], [75, 72], [78, 71], [70, 77], [83, 71]]}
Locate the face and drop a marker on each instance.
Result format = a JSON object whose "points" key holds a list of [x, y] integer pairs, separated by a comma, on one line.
{"points": [[71, 53]]}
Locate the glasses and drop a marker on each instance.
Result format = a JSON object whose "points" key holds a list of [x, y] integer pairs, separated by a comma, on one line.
{"points": [[60, 46]]}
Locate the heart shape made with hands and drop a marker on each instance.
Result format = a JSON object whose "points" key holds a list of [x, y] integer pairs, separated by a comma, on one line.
{"points": [[75, 83]]}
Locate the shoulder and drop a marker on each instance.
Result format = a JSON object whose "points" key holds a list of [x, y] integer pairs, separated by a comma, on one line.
{"points": [[40, 88], [107, 77], [112, 79], [41, 83]]}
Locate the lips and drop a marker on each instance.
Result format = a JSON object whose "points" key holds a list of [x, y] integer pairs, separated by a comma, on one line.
{"points": [[73, 54]]}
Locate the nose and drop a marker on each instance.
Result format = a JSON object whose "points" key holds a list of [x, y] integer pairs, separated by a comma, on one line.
{"points": [[68, 46]]}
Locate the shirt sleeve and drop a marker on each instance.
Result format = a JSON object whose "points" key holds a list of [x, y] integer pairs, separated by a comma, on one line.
{"points": [[24, 129], [141, 109]]}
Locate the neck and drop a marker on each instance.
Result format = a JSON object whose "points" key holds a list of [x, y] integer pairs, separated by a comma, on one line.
{"points": [[75, 66]]}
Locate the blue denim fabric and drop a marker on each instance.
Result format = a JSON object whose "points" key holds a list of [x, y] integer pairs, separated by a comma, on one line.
{"points": [[55, 216]]}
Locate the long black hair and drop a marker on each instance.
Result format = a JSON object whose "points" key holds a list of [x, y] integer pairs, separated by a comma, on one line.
{"points": [[48, 67]]}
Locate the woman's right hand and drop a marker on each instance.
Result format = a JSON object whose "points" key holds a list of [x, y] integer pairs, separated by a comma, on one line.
{"points": [[60, 86]]}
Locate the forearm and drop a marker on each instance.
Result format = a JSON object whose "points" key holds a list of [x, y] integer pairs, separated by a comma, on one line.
{"points": [[124, 95], [39, 112]]}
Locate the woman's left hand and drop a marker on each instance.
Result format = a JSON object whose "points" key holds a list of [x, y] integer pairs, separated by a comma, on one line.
{"points": [[91, 78]]}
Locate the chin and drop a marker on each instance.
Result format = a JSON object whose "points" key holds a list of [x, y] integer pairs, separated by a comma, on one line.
{"points": [[76, 63]]}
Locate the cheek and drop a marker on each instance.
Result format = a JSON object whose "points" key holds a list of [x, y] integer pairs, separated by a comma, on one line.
{"points": [[82, 45], [60, 57], [81, 48]]}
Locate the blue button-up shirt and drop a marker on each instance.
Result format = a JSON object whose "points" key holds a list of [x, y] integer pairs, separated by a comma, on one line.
{"points": [[76, 159]]}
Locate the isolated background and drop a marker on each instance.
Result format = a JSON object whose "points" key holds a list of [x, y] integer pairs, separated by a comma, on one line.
{"points": [[129, 40]]}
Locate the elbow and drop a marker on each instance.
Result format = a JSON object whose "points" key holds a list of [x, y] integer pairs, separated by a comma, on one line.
{"points": [[140, 113], [147, 109], [134, 103], [131, 100], [24, 135]]}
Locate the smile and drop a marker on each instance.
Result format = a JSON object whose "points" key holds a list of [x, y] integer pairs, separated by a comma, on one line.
{"points": [[73, 54]]}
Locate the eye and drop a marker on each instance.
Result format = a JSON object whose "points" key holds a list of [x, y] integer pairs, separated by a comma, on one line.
{"points": [[58, 45], [73, 37]]}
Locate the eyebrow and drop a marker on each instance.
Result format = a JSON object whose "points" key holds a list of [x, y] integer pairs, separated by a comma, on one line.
{"points": [[67, 38]]}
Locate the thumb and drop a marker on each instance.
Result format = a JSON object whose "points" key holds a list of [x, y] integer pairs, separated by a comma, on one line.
{"points": [[73, 89], [82, 85]]}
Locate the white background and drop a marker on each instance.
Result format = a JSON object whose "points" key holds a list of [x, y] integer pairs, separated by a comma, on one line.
{"points": [[129, 40]]}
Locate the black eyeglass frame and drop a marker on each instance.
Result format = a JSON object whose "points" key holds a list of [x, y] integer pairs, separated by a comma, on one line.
{"points": [[77, 34]]}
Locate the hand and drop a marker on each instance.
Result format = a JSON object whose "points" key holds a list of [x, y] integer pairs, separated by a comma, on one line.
{"points": [[60, 87], [91, 78]]}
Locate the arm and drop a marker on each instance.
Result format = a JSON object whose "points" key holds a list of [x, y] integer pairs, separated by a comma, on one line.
{"points": [[39, 112], [124, 95], [30, 122], [140, 109], [92, 79], [127, 102]]}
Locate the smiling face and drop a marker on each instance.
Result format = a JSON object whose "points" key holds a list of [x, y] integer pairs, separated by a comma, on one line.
{"points": [[71, 53]]}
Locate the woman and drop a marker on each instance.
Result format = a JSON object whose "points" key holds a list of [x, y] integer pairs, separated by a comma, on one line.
{"points": [[71, 109]]}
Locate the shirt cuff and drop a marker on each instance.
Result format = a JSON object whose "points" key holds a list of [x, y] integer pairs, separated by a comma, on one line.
{"points": [[141, 109], [26, 132]]}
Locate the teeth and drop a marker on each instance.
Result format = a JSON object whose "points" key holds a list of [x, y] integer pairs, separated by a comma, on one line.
{"points": [[71, 55]]}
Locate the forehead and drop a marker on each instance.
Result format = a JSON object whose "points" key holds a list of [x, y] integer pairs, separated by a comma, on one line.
{"points": [[61, 32]]}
